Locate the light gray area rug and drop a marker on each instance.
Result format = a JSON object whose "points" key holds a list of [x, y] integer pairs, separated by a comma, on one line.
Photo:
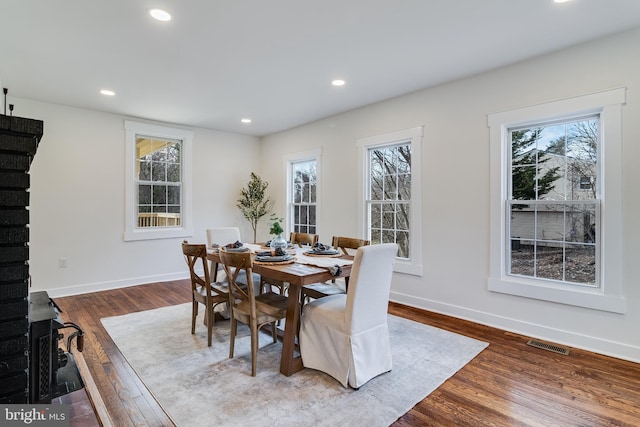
{"points": [[200, 386]]}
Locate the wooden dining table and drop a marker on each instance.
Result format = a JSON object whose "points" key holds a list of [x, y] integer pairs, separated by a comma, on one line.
{"points": [[296, 275]]}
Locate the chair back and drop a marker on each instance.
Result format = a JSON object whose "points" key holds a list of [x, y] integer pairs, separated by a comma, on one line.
{"points": [[344, 243], [234, 263], [304, 239], [194, 253], [369, 286], [222, 235]]}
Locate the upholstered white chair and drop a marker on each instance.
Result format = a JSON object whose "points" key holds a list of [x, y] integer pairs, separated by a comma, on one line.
{"points": [[346, 335]]}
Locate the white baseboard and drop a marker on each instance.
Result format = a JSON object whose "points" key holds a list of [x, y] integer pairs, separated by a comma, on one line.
{"points": [[571, 339], [105, 286]]}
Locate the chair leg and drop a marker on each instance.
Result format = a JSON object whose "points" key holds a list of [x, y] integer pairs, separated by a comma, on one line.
{"points": [[274, 331], [194, 314], [254, 347], [232, 338], [210, 321]]}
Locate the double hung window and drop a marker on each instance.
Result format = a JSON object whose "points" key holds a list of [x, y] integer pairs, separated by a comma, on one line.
{"points": [[158, 192], [390, 210], [302, 194], [555, 223]]}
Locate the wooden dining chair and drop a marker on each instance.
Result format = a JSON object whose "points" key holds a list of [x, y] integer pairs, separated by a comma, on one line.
{"points": [[303, 239], [203, 291], [253, 310], [347, 336], [320, 290], [220, 236]]}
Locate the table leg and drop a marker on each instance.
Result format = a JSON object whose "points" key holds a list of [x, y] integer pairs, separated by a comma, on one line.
{"points": [[289, 362]]}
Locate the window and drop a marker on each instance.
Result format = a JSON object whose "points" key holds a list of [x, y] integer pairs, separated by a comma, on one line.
{"points": [[552, 224], [390, 194], [302, 193], [554, 169], [158, 183], [303, 205]]}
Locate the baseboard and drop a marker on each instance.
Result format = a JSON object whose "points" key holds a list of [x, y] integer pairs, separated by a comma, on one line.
{"points": [[117, 284], [571, 339]]}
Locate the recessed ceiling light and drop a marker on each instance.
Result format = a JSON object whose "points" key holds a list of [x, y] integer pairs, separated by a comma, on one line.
{"points": [[107, 92], [160, 15], [338, 82], [245, 120], [560, 1]]}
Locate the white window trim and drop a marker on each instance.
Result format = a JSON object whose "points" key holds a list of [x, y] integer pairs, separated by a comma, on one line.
{"points": [[609, 296], [132, 232], [414, 135], [303, 156]]}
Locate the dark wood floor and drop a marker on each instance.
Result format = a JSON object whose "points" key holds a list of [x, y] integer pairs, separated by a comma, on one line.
{"points": [[508, 384]]}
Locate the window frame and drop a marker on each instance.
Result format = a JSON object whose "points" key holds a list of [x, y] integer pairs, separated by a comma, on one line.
{"points": [[413, 136], [609, 295], [291, 160], [132, 231]]}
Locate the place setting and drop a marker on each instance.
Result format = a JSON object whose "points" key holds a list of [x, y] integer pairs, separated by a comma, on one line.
{"points": [[322, 250], [277, 256]]}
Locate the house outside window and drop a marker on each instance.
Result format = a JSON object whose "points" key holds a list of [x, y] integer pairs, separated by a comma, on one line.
{"points": [[555, 201], [552, 223], [390, 195], [303, 191], [159, 182], [158, 192]]}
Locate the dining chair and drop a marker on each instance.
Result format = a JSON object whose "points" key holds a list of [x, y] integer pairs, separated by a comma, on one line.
{"points": [[221, 236], [253, 310], [347, 245], [203, 291], [303, 239], [346, 335]]}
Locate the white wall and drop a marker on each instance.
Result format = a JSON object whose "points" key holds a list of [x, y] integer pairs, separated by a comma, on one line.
{"points": [[77, 201], [456, 187]]}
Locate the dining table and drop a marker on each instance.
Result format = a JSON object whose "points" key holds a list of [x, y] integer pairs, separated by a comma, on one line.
{"points": [[303, 270]]}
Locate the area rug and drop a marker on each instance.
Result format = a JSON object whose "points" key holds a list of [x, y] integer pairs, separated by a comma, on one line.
{"points": [[198, 385]]}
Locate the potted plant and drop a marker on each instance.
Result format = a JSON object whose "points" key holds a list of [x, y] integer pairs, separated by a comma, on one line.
{"points": [[276, 230], [253, 202]]}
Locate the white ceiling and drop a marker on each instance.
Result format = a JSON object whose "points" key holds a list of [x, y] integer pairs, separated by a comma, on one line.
{"points": [[218, 61]]}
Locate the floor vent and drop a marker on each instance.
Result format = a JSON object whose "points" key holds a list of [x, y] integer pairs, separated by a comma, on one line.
{"points": [[550, 347]]}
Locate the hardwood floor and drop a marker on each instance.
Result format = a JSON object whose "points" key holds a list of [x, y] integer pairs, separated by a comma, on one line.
{"points": [[508, 384]]}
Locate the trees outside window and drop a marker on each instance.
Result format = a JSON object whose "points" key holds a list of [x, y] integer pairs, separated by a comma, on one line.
{"points": [[390, 196], [555, 219]]}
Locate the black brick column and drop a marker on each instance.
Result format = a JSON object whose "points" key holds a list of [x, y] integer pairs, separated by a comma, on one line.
{"points": [[19, 138]]}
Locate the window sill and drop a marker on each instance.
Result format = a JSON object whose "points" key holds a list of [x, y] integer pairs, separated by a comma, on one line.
{"points": [[577, 296]]}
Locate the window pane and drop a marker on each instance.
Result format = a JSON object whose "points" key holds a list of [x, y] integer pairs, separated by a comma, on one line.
{"points": [[402, 239], [550, 224], [376, 216], [312, 215], [173, 172], [144, 172], [173, 195], [144, 194], [580, 264], [522, 260], [159, 194], [390, 189], [313, 193]]}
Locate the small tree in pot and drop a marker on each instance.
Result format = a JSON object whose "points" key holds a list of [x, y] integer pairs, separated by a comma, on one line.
{"points": [[253, 202]]}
